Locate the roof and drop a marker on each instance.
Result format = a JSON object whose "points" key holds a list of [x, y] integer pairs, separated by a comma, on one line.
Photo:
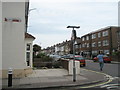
{"points": [[100, 30], [27, 35], [104, 29]]}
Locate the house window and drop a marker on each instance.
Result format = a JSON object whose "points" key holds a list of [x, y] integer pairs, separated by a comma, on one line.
{"points": [[80, 45], [28, 58], [106, 51], [83, 39], [28, 47], [83, 45], [118, 36], [93, 36], [76, 46], [105, 33], [87, 44], [94, 52], [119, 33], [105, 43], [87, 38], [99, 35], [62, 48], [94, 44], [99, 43], [28, 54]]}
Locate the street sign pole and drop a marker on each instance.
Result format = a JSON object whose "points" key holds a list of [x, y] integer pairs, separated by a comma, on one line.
{"points": [[73, 41], [74, 69]]}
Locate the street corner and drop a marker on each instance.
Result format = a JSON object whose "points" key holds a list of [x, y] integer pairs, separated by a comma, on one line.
{"points": [[95, 78]]}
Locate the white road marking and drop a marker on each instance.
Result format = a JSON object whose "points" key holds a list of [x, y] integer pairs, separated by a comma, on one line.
{"points": [[110, 78], [110, 85]]}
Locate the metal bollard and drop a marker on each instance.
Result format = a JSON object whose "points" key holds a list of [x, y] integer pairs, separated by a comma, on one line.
{"points": [[10, 72]]}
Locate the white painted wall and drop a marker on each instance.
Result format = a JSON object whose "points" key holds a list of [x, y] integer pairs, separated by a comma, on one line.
{"points": [[13, 44], [0, 44], [29, 41], [0, 36], [70, 66]]}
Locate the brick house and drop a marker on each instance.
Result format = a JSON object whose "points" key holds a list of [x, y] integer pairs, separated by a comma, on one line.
{"points": [[104, 39]]}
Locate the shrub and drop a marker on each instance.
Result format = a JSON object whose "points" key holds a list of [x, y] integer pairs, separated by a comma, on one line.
{"points": [[44, 57], [57, 64], [116, 53]]}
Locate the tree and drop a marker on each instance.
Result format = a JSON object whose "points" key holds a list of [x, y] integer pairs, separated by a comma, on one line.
{"points": [[36, 48]]}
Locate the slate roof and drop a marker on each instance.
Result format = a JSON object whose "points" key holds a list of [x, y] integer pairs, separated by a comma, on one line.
{"points": [[27, 35]]}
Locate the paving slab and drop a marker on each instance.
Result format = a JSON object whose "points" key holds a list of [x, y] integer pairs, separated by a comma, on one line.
{"points": [[44, 78]]}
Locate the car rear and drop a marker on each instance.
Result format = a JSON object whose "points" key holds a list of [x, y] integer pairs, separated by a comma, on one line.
{"points": [[81, 59], [95, 59], [107, 59]]}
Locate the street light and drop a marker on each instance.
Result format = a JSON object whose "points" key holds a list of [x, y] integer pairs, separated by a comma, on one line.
{"points": [[73, 41], [73, 27]]}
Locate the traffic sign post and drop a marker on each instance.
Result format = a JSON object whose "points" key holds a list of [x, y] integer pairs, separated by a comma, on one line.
{"points": [[73, 38]]}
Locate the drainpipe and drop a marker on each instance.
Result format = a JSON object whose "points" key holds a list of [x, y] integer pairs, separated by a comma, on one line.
{"points": [[110, 42]]}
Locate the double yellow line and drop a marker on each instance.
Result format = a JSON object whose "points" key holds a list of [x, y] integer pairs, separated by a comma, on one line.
{"points": [[90, 86]]}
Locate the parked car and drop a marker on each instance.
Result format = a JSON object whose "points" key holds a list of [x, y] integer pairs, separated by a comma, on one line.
{"points": [[81, 59], [55, 57], [68, 56], [105, 58]]}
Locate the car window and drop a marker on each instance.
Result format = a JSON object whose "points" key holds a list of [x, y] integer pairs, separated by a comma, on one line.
{"points": [[79, 58], [105, 56]]}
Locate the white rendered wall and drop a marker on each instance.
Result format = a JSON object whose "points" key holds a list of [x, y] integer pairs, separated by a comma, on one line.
{"points": [[13, 47], [0, 36], [0, 44]]}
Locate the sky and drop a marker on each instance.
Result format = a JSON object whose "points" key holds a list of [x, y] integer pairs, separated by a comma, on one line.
{"points": [[48, 19]]}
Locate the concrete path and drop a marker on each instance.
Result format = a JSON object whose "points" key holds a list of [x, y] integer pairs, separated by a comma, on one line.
{"points": [[44, 78]]}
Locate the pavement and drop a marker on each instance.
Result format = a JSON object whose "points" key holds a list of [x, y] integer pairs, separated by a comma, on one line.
{"points": [[50, 78], [115, 62]]}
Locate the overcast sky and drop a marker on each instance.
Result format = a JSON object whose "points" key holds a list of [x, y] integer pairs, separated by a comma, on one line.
{"points": [[48, 19]]}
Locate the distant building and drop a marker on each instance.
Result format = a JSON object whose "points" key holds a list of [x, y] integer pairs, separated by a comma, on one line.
{"points": [[118, 38], [85, 45], [77, 45], [67, 47], [105, 39]]}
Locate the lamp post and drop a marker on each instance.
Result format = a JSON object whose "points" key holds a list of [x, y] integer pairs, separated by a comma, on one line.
{"points": [[73, 38]]}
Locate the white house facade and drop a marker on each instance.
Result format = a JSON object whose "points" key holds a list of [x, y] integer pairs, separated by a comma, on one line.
{"points": [[0, 42], [29, 49], [14, 41]]}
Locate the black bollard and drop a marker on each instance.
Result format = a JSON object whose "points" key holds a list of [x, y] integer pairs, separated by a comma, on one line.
{"points": [[10, 77]]}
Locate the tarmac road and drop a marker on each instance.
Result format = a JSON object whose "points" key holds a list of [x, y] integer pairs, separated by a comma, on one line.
{"points": [[111, 69]]}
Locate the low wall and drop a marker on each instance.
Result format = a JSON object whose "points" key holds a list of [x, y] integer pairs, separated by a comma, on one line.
{"points": [[38, 62], [42, 64], [17, 73], [65, 63], [68, 65], [116, 58]]}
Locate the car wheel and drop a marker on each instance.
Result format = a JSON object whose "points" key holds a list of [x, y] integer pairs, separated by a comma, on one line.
{"points": [[84, 65], [109, 61], [94, 61]]}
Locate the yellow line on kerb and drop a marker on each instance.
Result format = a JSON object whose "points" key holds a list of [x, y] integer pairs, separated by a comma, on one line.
{"points": [[90, 86]]}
